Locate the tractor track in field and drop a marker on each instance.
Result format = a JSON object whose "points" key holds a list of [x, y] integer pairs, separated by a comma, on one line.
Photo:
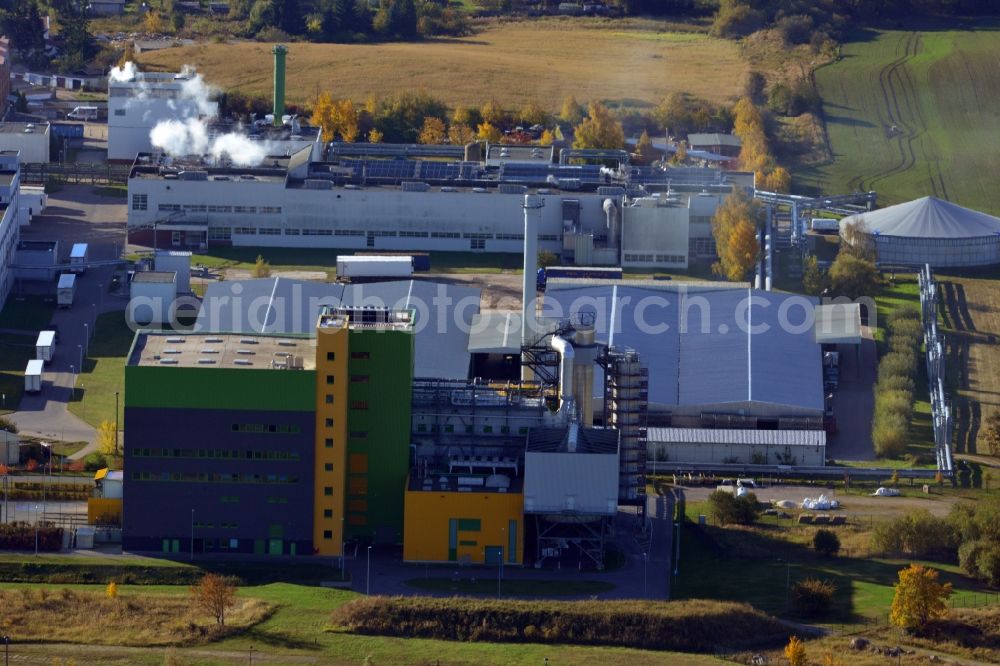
{"points": [[896, 87]]}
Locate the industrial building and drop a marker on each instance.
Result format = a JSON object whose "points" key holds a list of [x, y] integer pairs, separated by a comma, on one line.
{"points": [[10, 179], [31, 140], [929, 231]]}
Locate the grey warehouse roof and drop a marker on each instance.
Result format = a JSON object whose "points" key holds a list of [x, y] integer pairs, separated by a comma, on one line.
{"points": [[928, 217], [734, 436], [281, 306], [705, 345]]}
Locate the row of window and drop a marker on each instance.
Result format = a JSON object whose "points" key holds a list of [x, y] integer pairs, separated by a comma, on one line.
{"points": [[660, 258], [225, 526], [449, 427], [279, 429], [206, 477], [205, 208], [226, 233], [219, 454]]}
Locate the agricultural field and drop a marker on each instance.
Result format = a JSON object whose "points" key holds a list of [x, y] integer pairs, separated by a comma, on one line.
{"points": [[631, 63], [970, 316], [910, 113]]}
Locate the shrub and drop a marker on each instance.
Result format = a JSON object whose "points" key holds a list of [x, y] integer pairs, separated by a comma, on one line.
{"points": [[94, 461], [725, 508], [895, 383], [898, 364], [812, 597], [988, 564], [796, 29], [826, 542], [969, 554], [917, 534], [734, 21], [890, 435]]}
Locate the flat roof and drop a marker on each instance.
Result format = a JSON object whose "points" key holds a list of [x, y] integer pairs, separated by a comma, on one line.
{"points": [[192, 350], [34, 367], [19, 128], [838, 324], [45, 338], [79, 250], [67, 280], [736, 436]]}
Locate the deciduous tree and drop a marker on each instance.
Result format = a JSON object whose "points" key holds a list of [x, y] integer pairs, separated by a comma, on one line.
{"points": [[215, 595], [599, 129], [853, 276], [488, 133], [547, 138], [919, 598], [989, 435], [261, 269], [795, 652], [432, 132], [813, 280], [374, 136], [734, 228], [572, 112], [461, 134], [644, 148], [106, 438]]}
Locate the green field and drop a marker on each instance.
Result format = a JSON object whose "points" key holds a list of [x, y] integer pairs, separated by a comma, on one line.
{"points": [[103, 370], [914, 113]]}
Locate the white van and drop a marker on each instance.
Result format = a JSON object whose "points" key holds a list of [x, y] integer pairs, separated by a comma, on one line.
{"points": [[83, 113]]}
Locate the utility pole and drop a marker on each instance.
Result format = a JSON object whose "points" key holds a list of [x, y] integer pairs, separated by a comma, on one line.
{"points": [[116, 423], [192, 535]]}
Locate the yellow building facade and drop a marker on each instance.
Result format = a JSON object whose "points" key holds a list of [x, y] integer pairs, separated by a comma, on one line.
{"points": [[332, 349], [473, 527]]}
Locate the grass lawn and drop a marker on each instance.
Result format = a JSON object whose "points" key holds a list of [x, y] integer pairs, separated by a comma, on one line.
{"points": [[864, 586], [520, 588], [104, 371], [633, 62], [28, 313], [300, 627], [908, 112], [117, 191], [15, 352]]}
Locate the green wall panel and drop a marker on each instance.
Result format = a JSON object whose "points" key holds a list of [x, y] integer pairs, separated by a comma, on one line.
{"points": [[220, 388]]}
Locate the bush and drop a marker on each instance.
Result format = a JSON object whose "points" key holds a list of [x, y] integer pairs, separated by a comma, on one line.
{"points": [[826, 542], [895, 383], [969, 554], [898, 364], [735, 21], [890, 435], [917, 534], [812, 597], [95, 461], [725, 508], [796, 29]]}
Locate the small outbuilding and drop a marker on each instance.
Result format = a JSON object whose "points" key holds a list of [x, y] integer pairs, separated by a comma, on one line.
{"points": [[928, 231]]}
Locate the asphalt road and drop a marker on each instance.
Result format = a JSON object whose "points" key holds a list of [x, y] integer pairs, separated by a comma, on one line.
{"points": [[854, 402]]}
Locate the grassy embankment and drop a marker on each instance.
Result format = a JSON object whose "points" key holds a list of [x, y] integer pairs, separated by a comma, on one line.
{"points": [[910, 113], [103, 371]]}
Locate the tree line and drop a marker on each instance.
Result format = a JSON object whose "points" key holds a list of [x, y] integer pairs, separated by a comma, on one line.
{"points": [[22, 22]]}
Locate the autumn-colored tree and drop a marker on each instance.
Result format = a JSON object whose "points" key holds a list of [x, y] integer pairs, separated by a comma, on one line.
{"points": [[492, 113], [746, 117], [681, 154], [795, 652], [777, 179], [215, 595], [599, 129], [31, 465], [853, 276], [813, 281], [106, 438], [989, 435], [348, 120], [547, 138], [4, 470], [112, 590], [755, 155], [572, 112], [465, 115], [153, 23], [432, 132], [644, 148], [128, 54], [371, 105], [323, 116], [533, 114], [375, 136], [460, 134], [734, 228], [261, 269], [919, 598], [488, 133]]}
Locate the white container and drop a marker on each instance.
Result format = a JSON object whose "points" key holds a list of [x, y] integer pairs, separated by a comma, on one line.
{"points": [[33, 376], [374, 266], [66, 290], [45, 346], [78, 258]]}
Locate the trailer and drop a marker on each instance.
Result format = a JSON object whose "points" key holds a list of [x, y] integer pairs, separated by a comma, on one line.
{"points": [[360, 268], [45, 346], [421, 260], [78, 258], [33, 376], [576, 273], [66, 290], [824, 225]]}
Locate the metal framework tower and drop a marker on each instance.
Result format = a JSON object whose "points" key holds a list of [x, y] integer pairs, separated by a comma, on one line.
{"points": [[626, 395]]}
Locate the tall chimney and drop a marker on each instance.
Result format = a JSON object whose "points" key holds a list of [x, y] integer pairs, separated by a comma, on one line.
{"points": [[279, 52], [532, 214]]}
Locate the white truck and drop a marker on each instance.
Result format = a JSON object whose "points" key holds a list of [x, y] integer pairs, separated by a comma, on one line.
{"points": [[66, 290], [78, 258], [83, 113], [33, 376], [45, 346], [370, 267]]}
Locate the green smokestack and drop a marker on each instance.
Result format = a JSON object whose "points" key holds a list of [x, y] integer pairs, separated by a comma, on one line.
{"points": [[279, 52]]}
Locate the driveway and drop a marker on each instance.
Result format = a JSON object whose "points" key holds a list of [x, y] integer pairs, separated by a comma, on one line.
{"points": [[854, 402]]}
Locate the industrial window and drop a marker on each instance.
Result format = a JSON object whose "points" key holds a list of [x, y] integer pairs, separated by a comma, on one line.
{"points": [[413, 234], [220, 209], [168, 208], [119, 112], [487, 429], [421, 427], [477, 244], [469, 525], [245, 209], [329, 379], [358, 463], [327, 534], [331, 356], [328, 443], [246, 231], [327, 467], [328, 423], [328, 491], [349, 232], [357, 505], [269, 231], [277, 499], [291, 232], [359, 379], [317, 232], [547, 237], [468, 543], [359, 404], [220, 233], [328, 513], [140, 201], [445, 234], [358, 486], [270, 209], [329, 398], [360, 356]]}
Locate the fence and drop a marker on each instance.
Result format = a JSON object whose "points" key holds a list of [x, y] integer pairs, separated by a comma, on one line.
{"points": [[94, 174], [941, 413]]}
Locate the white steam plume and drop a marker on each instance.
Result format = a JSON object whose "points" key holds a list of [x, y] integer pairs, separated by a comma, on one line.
{"points": [[125, 73], [240, 149], [180, 138], [194, 88]]}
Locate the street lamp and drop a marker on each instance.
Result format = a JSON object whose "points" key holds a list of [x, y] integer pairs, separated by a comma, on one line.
{"points": [[343, 551], [677, 553], [645, 560], [36, 530], [79, 348], [6, 649], [192, 535], [251, 655], [45, 486], [86, 340], [368, 575]]}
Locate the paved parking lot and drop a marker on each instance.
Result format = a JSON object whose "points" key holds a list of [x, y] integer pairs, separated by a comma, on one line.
{"points": [[854, 402]]}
